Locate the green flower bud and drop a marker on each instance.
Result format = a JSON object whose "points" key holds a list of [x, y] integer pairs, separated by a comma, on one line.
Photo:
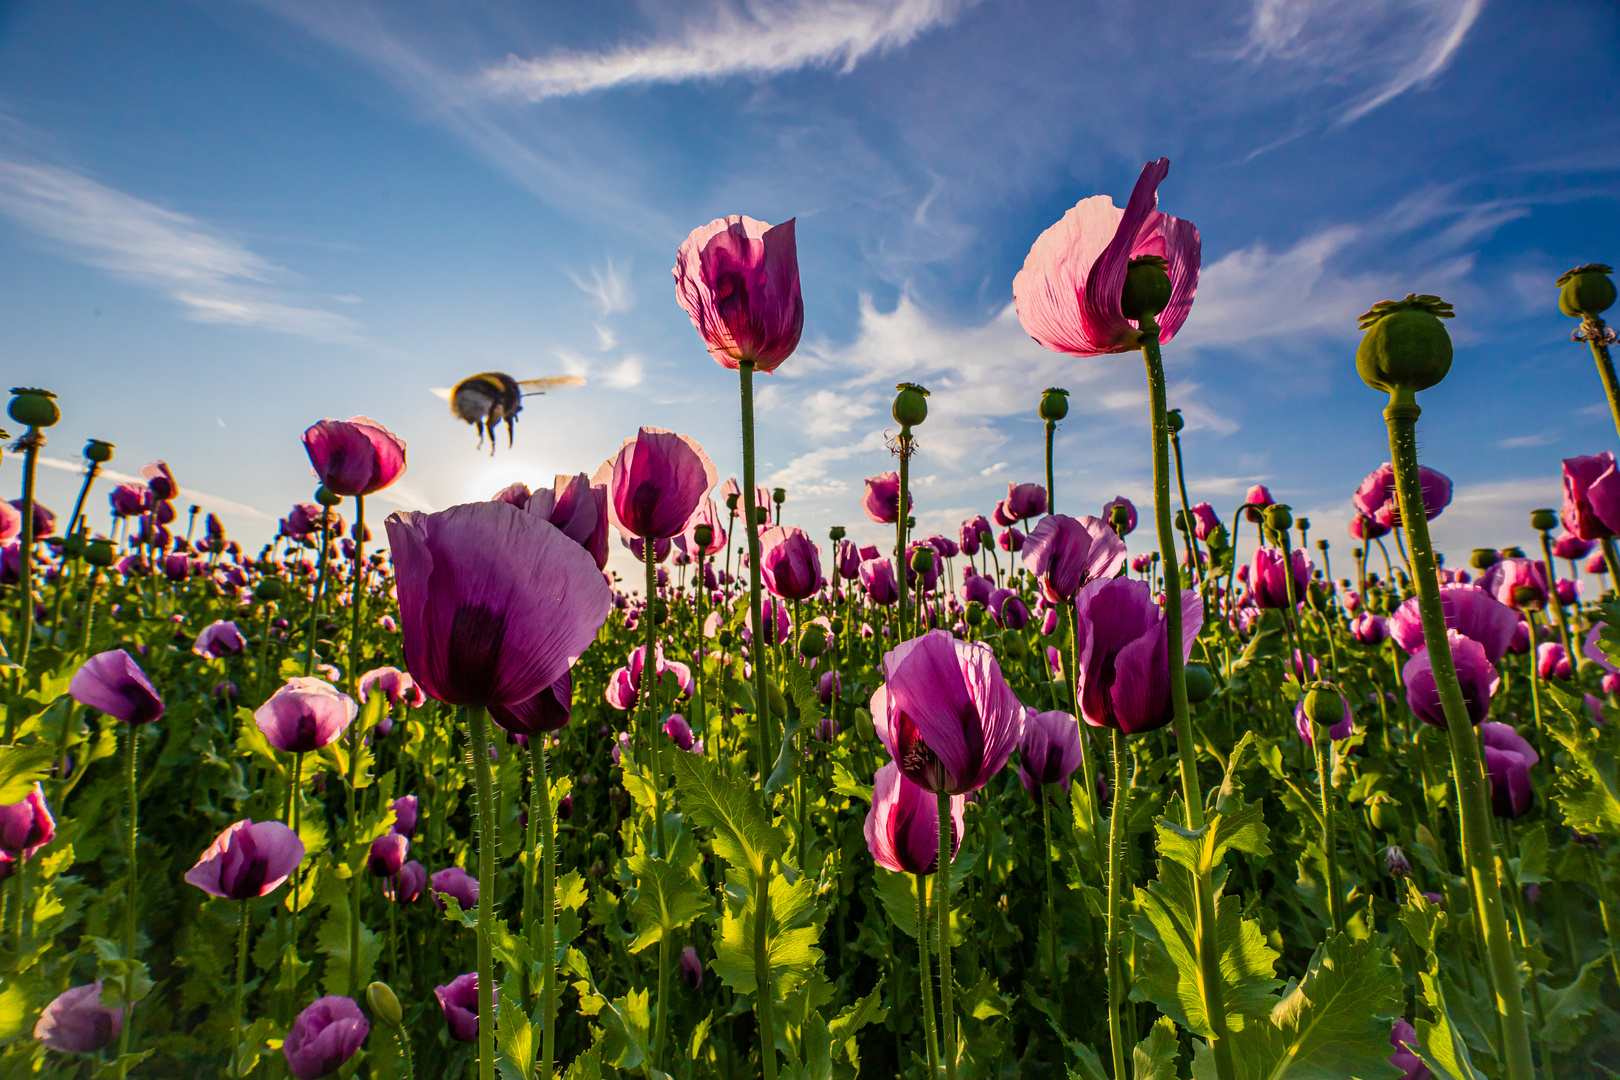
{"points": [[34, 408], [1514, 552], [1279, 518], [1175, 421], [922, 558], [98, 451], [837, 626], [1543, 520], [813, 642], [836, 533], [1405, 347], [975, 613], [910, 405], [1054, 404], [1147, 287], [703, 534], [731, 502], [863, 725], [1586, 291], [1483, 558], [1324, 706], [1385, 812], [383, 1002], [724, 638], [326, 497], [1527, 596], [1200, 683], [100, 553], [779, 495], [268, 589]]}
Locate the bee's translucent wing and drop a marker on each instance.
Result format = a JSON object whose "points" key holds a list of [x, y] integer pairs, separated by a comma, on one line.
{"points": [[440, 392], [554, 382]]}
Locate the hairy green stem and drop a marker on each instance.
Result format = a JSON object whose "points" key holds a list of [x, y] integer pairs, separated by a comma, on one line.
{"points": [[1611, 386], [131, 797], [315, 601], [925, 969], [762, 708], [1116, 887], [1051, 495], [1089, 791], [1051, 891], [763, 1008], [947, 989], [241, 980], [486, 891], [548, 870], [1473, 797], [901, 517]]}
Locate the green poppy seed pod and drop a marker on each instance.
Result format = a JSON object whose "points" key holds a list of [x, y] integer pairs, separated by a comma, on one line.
{"points": [[922, 558], [1119, 519], [813, 642], [1586, 291], [731, 502], [1147, 287], [779, 495], [836, 533], [1200, 683], [1324, 706], [1321, 545], [863, 725], [1527, 596], [1304, 523], [1174, 419], [1385, 812], [1543, 520], [975, 613], [1279, 518], [910, 405], [327, 497], [268, 589], [1483, 558], [100, 553], [837, 626], [98, 451], [1405, 347], [724, 638], [33, 407], [1514, 552], [704, 535], [383, 1002], [1054, 404]]}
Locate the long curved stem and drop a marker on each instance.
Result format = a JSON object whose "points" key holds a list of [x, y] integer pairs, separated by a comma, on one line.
{"points": [[357, 599], [315, 602], [925, 969], [1209, 963], [1116, 886], [1051, 891], [1087, 769], [1473, 798], [25, 553], [1323, 746], [947, 989], [1194, 566], [486, 892], [134, 876]]}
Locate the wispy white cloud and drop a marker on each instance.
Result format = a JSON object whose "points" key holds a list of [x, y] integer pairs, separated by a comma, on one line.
{"points": [[213, 279], [1387, 46], [609, 286], [1541, 438], [738, 37], [215, 503]]}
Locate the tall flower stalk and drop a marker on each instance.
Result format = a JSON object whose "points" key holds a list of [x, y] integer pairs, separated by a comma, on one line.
{"points": [[1585, 293], [1406, 350], [36, 409]]}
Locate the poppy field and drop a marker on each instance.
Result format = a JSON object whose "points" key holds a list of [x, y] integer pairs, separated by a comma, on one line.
{"points": [[442, 795]]}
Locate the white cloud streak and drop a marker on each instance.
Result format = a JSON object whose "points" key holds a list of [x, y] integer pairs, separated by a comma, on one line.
{"points": [[750, 37], [212, 279], [215, 503]]}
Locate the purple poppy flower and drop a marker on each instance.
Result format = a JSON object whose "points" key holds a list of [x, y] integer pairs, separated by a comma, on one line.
{"points": [[405, 815], [459, 1000], [977, 587], [1025, 501], [1107, 513], [161, 481], [831, 685], [406, 886], [1065, 553], [847, 560], [737, 279], [1008, 609], [357, 456], [248, 859], [578, 506], [1518, 583], [1010, 540], [1124, 662], [945, 714], [1508, 760], [1469, 610], [1205, 520], [1591, 508], [1266, 577], [495, 604], [877, 577], [789, 563], [387, 854], [1375, 497], [1256, 499], [1552, 662], [881, 500], [219, 639], [1050, 749], [325, 1035], [304, 715], [455, 882], [1371, 629], [113, 683], [395, 685], [26, 825], [549, 710], [1572, 547], [679, 731], [691, 969], [1402, 1037], [902, 827], [655, 482], [1474, 671], [131, 500], [76, 1022], [972, 530]]}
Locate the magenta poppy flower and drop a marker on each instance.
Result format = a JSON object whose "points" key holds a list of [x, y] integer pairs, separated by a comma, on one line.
{"points": [[679, 731], [945, 714], [1002, 516], [847, 560], [26, 825], [1141, 564], [945, 546], [1049, 622], [971, 531], [1256, 499], [131, 500], [1571, 547], [1367, 529], [881, 500], [219, 639], [1372, 629], [1068, 293], [10, 523], [691, 969], [1010, 540], [406, 886], [405, 815], [455, 882], [113, 683], [1402, 1037], [76, 1022], [1375, 497], [830, 686], [877, 578], [977, 587], [1050, 750], [459, 1001], [902, 827], [1508, 759], [1552, 662], [161, 481], [325, 1035], [248, 859], [1469, 610], [357, 456], [655, 482], [624, 685], [549, 710], [578, 506], [738, 281], [1107, 514], [1266, 580], [1065, 553], [1518, 583], [495, 603], [305, 715], [1474, 671], [789, 563], [1026, 500], [706, 514], [638, 548], [1205, 520], [1591, 496], [177, 567], [393, 684], [1597, 564], [1124, 662], [387, 854], [44, 519]]}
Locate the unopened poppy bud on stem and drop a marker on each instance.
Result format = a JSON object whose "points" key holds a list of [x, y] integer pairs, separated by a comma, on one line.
{"points": [[1324, 706], [385, 1004], [1200, 683], [813, 642]]}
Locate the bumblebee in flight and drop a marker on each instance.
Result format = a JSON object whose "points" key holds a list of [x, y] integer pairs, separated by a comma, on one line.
{"points": [[486, 399]]}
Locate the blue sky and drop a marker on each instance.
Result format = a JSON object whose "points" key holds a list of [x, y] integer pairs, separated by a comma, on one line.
{"points": [[220, 222]]}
